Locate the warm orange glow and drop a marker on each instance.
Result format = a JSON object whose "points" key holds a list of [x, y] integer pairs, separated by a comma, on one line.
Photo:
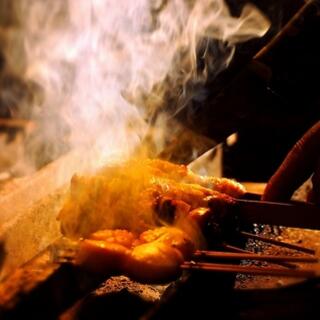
{"points": [[143, 217], [153, 255], [128, 197]]}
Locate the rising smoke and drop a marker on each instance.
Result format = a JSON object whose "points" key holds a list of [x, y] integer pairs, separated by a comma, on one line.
{"points": [[104, 66]]}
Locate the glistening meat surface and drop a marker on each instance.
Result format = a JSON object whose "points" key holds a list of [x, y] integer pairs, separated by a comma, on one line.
{"points": [[142, 218], [154, 255]]}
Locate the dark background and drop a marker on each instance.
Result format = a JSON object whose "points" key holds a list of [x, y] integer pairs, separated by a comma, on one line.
{"points": [[270, 101]]}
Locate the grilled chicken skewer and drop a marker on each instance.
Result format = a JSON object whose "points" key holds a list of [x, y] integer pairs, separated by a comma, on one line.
{"points": [[153, 256], [127, 196], [160, 208], [162, 211]]}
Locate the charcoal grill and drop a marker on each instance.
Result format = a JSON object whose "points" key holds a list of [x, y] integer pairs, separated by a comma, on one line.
{"points": [[41, 288]]}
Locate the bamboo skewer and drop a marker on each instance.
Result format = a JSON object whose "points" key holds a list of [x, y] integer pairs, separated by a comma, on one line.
{"points": [[251, 256], [276, 242], [236, 249], [229, 268]]}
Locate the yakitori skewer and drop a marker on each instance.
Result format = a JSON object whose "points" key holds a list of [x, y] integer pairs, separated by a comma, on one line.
{"points": [[276, 242], [231, 268], [231, 248], [205, 254]]}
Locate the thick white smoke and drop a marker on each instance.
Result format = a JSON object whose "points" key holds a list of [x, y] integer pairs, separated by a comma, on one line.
{"points": [[89, 56]]}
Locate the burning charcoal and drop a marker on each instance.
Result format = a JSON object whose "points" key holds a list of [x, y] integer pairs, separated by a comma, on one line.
{"points": [[118, 296], [195, 296]]}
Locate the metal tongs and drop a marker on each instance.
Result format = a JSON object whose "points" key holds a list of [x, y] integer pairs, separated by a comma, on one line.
{"points": [[295, 214], [251, 209]]}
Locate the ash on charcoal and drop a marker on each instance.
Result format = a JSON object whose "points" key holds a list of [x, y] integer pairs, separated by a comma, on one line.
{"points": [[118, 297], [196, 296]]}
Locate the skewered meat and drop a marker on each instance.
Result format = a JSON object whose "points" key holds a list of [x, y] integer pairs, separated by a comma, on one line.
{"points": [[127, 196], [181, 173], [155, 255], [121, 213]]}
